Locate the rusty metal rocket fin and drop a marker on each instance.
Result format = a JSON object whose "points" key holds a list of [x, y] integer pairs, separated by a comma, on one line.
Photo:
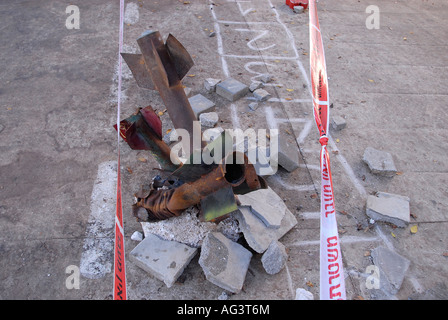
{"points": [[136, 63], [179, 56]]}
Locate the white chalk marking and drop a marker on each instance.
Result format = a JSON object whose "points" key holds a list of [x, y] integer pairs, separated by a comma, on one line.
{"points": [[296, 187], [305, 132], [270, 118], [293, 45], [310, 215], [97, 255], [261, 35], [235, 119], [348, 169], [289, 279], [237, 56]]}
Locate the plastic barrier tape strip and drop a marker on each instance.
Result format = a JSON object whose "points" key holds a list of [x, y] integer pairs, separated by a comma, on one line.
{"points": [[119, 255], [332, 284]]}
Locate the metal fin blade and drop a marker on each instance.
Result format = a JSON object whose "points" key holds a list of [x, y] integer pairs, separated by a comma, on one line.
{"points": [[136, 63], [218, 204], [179, 56]]}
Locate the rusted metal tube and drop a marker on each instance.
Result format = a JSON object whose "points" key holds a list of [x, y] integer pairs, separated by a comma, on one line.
{"points": [[164, 204]]}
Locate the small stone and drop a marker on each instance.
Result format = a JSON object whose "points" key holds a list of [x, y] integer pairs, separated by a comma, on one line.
{"points": [[274, 258], [165, 260], [389, 207], [266, 77], [210, 84], [170, 137], [393, 268], [302, 294], [201, 104], [231, 89], [261, 95], [137, 236], [338, 123], [255, 85], [379, 162], [253, 106], [224, 262], [208, 119], [223, 296], [298, 9], [212, 34]]}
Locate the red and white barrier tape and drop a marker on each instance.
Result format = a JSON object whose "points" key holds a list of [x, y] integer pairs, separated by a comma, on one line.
{"points": [[119, 256], [332, 283]]}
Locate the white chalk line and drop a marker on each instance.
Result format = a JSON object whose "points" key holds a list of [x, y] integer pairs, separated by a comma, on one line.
{"points": [[96, 257]]}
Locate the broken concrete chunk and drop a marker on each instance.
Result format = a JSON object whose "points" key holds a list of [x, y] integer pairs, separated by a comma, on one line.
{"points": [[274, 258], [389, 207], [257, 235], [253, 106], [298, 9], [224, 262], [137, 236], [255, 85], [288, 155], [338, 123], [266, 77], [165, 260], [392, 269], [201, 104], [210, 84], [266, 205], [261, 95], [231, 89], [208, 119], [379, 162], [302, 294]]}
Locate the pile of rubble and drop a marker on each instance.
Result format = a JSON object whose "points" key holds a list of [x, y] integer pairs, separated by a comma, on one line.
{"points": [[224, 210], [262, 219]]}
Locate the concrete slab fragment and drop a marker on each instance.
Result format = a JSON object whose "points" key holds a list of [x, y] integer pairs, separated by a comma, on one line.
{"points": [[389, 207], [231, 89], [392, 267], [379, 162], [261, 95], [266, 205], [208, 119], [224, 262], [288, 154], [257, 235], [274, 258], [338, 123], [201, 104], [165, 260], [210, 84]]}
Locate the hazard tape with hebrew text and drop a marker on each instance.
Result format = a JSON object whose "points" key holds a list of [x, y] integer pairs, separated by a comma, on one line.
{"points": [[332, 284], [119, 254]]}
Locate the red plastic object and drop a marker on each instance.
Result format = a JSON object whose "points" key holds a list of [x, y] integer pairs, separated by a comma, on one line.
{"points": [[295, 3]]}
